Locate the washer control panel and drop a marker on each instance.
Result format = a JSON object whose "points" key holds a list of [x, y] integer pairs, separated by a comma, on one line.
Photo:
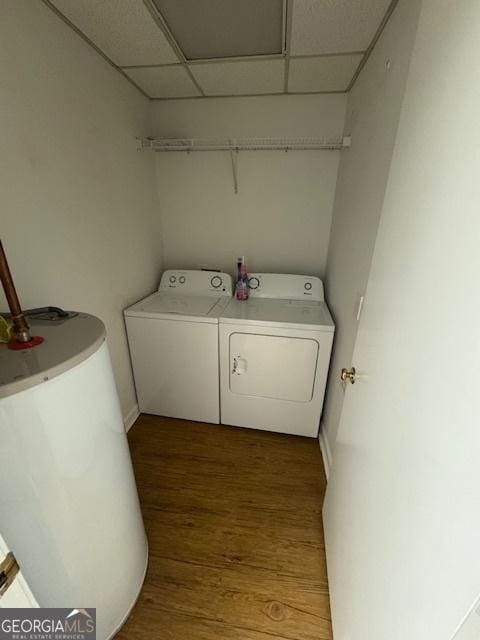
{"points": [[285, 286], [216, 282], [196, 282]]}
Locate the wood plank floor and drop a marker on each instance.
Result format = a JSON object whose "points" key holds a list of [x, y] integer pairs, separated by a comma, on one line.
{"points": [[233, 518]]}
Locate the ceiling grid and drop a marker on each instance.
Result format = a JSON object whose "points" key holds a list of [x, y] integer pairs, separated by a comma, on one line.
{"points": [[181, 49], [157, 16]]}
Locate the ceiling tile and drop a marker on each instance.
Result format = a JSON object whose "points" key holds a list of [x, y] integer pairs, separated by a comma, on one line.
{"points": [[242, 77], [164, 82], [224, 28], [123, 29], [335, 26], [329, 73]]}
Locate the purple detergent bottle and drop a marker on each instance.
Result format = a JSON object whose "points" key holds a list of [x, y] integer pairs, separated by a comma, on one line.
{"points": [[241, 285]]}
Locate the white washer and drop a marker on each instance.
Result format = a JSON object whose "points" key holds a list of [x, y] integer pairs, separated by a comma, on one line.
{"points": [[274, 355], [173, 338]]}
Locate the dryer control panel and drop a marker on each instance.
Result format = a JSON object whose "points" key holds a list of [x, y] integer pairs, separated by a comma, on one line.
{"points": [[196, 282], [285, 286]]}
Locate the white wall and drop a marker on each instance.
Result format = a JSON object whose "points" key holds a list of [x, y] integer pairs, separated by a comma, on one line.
{"points": [[79, 216], [373, 113], [280, 219]]}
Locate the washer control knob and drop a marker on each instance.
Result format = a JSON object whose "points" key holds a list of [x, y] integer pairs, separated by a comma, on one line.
{"points": [[253, 283], [307, 286], [182, 279], [173, 279], [216, 282]]}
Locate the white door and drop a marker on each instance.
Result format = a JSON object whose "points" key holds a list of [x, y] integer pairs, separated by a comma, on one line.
{"points": [[14, 590], [402, 511]]}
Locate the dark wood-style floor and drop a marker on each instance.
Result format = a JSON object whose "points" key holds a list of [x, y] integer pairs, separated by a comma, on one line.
{"points": [[233, 518]]}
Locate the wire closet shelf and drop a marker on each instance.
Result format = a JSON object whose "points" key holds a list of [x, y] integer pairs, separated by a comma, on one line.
{"points": [[242, 144]]}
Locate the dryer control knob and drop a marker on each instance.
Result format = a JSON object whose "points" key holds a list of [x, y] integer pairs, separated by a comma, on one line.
{"points": [[182, 279], [173, 279], [307, 286], [253, 283], [216, 282]]}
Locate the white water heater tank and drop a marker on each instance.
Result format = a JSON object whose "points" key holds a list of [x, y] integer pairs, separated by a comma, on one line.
{"points": [[69, 509]]}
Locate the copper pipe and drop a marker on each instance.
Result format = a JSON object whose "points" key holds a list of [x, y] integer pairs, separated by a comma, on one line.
{"points": [[20, 326]]}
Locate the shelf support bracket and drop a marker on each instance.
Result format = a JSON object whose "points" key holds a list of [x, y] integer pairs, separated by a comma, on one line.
{"points": [[233, 158]]}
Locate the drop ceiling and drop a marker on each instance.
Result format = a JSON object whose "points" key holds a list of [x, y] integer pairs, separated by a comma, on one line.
{"points": [[200, 48]]}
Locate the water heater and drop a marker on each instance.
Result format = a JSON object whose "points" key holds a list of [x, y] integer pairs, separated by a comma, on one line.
{"points": [[69, 509]]}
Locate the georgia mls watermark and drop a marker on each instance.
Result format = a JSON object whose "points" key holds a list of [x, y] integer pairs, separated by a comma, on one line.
{"points": [[47, 624]]}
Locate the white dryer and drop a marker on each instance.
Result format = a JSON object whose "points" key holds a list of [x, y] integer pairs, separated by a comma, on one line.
{"points": [[173, 339], [274, 355]]}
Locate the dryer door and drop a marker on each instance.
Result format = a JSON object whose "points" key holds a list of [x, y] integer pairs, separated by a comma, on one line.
{"points": [[276, 367]]}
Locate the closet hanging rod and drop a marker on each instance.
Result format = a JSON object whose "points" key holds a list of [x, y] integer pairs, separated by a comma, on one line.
{"points": [[242, 144]]}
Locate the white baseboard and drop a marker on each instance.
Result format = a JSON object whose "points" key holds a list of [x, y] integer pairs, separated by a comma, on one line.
{"points": [[325, 449], [131, 416]]}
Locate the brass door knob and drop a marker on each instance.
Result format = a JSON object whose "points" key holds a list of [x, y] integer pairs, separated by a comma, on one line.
{"points": [[348, 374]]}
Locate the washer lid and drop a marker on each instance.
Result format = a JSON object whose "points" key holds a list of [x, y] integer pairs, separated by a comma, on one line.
{"points": [[289, 314], [67, 343], [173, 306]]}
